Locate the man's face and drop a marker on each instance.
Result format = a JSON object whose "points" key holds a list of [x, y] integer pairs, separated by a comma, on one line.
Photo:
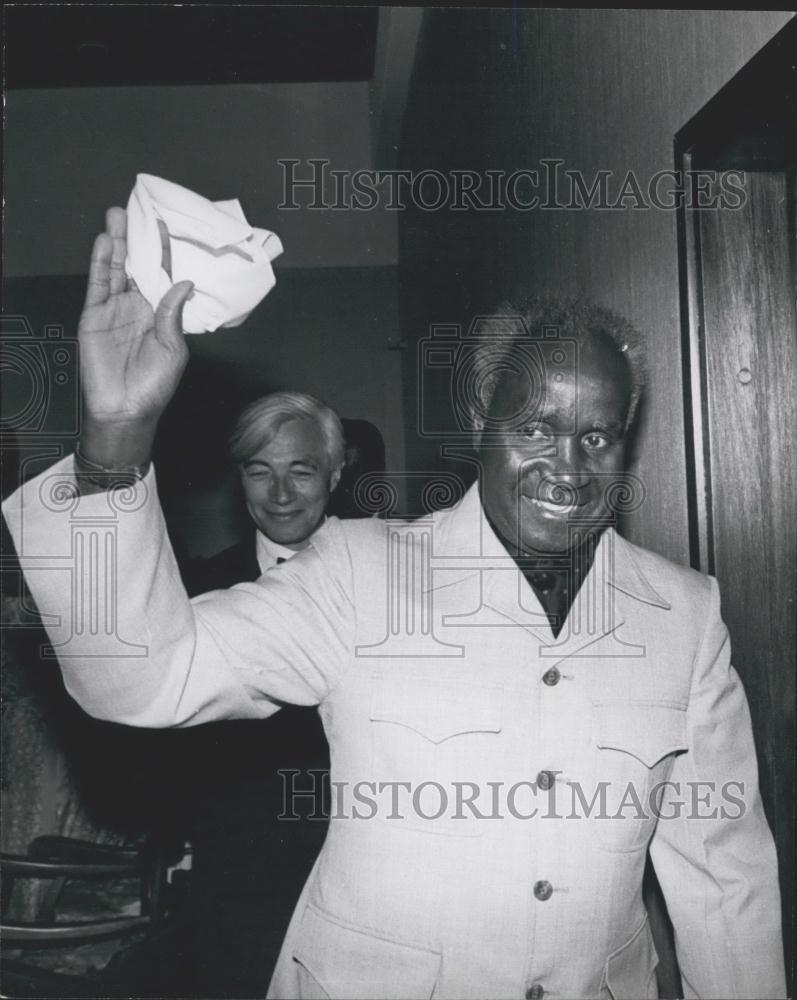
{"points": [[551, 465], [287, 484]]}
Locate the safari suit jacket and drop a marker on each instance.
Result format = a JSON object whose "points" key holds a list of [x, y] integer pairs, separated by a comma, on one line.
{"points": [[433, 665]]}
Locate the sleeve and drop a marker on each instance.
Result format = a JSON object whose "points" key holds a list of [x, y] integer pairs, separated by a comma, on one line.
{"points": [[132, 647], [712, 850]]}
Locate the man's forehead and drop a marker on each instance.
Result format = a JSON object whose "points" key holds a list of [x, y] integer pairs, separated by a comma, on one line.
{"points": [[295, 439], [556, 379], [563, 358]]}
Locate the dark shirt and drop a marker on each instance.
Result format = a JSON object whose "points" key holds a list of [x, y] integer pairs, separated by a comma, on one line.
{"points": [[556, 578]]}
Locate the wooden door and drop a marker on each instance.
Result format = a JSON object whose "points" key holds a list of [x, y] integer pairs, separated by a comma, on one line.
{"points": [[740, 342]]}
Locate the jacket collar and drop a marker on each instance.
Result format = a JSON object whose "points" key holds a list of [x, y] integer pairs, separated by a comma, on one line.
{"points": [[466, 545]]}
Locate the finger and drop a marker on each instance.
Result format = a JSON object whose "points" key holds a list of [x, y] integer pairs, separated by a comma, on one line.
{"points": [[169, 314], [99, 284], [116, 227], [116, 222]]}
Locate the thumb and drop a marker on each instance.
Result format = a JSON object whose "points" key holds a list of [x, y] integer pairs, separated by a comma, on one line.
{"points": [[169, 314]]}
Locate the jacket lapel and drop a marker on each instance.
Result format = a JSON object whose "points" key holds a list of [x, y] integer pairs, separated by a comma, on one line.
{"points": [[470, 564], [472, 569]]}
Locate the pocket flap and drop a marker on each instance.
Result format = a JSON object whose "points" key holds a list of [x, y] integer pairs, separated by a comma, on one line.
{"points": [[356, 965], [437, 709], [648, 731]]}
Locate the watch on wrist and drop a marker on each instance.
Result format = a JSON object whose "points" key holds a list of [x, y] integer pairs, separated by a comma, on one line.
{"points": [[103, 478]]}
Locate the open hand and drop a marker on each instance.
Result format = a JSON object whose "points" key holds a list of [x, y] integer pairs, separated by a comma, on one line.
{"points": [[131, 359]]}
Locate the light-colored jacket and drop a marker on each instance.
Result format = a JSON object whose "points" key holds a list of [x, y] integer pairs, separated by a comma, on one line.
{"points": [[454, 866]]}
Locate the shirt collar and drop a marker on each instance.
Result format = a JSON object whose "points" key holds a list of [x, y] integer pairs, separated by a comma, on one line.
{"points": [[268, 551]]}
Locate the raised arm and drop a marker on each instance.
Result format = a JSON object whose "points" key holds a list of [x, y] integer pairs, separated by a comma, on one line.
{"points": [[99, 565]]}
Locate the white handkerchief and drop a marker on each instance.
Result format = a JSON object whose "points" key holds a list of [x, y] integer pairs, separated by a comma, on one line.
{"points": [[176, 235]]}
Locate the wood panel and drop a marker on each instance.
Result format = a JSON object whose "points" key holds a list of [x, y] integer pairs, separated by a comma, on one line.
{"points": [[750, 330]]}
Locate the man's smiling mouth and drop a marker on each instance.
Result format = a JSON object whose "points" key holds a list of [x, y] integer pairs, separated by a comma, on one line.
{"points": [[555, 498], [552, 507]]}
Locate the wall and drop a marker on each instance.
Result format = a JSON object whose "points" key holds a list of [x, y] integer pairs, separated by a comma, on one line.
{"points": [[70, 153], [600, 90]]}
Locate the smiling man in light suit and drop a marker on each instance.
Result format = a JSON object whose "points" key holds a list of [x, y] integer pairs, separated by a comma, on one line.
{"points": [[519, 703]]}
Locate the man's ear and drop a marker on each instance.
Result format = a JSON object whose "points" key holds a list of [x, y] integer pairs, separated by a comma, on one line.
{"points": [[334, 477]]}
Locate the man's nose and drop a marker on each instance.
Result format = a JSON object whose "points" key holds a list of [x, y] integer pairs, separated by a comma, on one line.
{"points": [[281, 490], [567, 464]]}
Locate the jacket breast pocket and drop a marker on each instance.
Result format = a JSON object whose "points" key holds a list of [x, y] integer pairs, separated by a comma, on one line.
{"points": [[338, 962], [435, 736], [635, 745]]}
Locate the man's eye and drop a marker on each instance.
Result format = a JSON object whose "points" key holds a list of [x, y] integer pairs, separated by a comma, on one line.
{"points": [[596, 441], [535, 432], [302, 474]]}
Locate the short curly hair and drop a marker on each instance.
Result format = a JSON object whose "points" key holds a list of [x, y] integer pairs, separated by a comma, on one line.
{"points": [[522, 317]]}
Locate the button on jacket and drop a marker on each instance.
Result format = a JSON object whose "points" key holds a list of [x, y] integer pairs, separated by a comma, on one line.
{"points": [[447, 871]]}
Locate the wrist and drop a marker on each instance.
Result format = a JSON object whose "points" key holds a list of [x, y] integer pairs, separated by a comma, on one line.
{"points": [[95, 478], [122, 445]]}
